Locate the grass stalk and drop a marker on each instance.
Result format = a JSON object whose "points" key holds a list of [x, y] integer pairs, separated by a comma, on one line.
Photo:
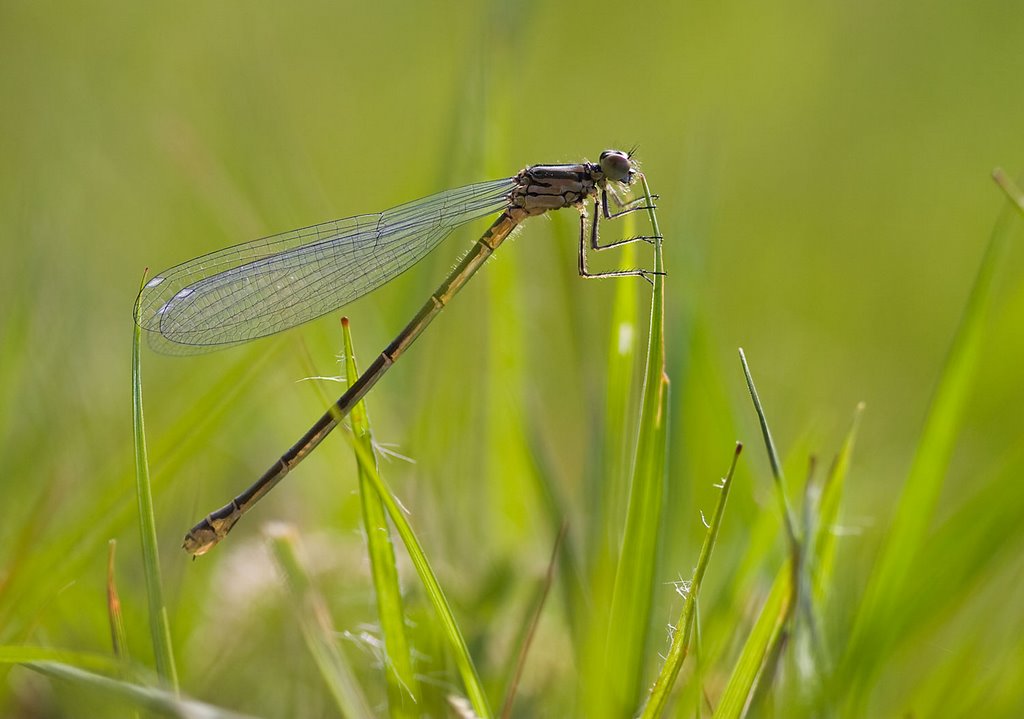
{"points": [[118, 635], [762, 651], [453, 634], [887, 587], [773, 459], [28, 654], [315, 624], [531, 630], [759, 647], [151, 699], [633, 592], [619, 432], [159, 626], [823, 548], [662, 688], [403, 688]]}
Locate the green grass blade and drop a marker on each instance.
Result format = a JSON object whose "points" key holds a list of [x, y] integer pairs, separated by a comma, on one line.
{"points": [[158, 701], [26, 654], [633, 591], [42, 571], [773, 458], [403, 688], [315, 623], [1009, 187], [677, 652], [118, 635], [619, 433], [760, 646], [824, 538], [870, 640], [972, 553], [607, 487], [159, 626], [531, 627], [452, 632], [763, 649], [570, 575]]}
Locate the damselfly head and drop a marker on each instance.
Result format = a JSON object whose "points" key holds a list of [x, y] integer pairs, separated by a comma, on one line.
{"points": [[617, 166]]}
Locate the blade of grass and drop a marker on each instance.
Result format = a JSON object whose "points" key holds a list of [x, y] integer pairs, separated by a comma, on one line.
{"points": [[159, 627], [531, 630], [368, 464], [760, 645], [870, 641], [662, 688], [607, 485], [26, 654], [151, 699], [972, 551], [759, 659], [46, 568], [452, 632], [24, 554], [315, 623], [1009, 188], [633, 592], [823, 548], [556, 508], [610, 487], [773, 459], [118, 637], [439, 602], [403, 687], [700, 664]]}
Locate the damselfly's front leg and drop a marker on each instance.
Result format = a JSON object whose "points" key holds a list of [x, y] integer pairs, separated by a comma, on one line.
{"points": [[595, 244], [625, 206]]}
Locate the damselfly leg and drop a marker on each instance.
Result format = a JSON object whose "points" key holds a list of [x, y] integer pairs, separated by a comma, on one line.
{"points": [[595, 244]]}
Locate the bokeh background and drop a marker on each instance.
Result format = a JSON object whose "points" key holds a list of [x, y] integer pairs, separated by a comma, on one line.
{"points": [[825, 199]]}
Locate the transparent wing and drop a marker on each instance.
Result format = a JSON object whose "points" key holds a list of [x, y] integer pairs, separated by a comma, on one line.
{"points": [[268, 285]]}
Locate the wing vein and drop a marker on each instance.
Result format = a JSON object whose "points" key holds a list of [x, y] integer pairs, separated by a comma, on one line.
{"points": [[268, 285]]}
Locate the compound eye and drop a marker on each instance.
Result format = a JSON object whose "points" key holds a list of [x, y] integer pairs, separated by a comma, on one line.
{"points": [[617, 166]]}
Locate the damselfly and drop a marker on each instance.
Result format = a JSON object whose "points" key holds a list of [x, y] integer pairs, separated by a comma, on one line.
{"points": [[258, 288]]}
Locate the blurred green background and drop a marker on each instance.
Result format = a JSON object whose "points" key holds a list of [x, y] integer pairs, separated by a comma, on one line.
{"points": [[825, 199]]}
